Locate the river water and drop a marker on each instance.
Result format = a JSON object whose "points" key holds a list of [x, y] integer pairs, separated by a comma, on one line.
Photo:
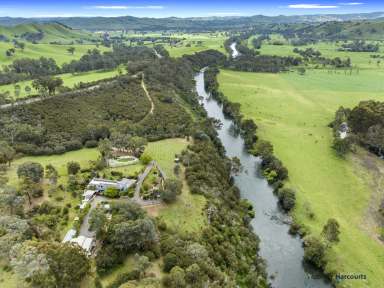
{"points": [[235, 52], [282, 251]]}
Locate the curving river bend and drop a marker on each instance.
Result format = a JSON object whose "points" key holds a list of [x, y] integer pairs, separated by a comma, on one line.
{"points": [[282, 251], [235, 52]]}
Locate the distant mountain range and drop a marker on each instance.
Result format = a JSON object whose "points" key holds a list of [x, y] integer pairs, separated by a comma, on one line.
{"points": [[188, 24]]}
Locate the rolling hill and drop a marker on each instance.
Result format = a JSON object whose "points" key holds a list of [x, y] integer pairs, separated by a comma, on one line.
{"points": [[186, 24], [44, 33]]}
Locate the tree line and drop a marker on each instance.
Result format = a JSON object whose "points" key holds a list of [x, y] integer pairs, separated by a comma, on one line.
{"points": [[27, 68], [315, 247]]}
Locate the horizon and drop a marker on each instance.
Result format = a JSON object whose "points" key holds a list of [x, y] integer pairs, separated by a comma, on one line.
{"points": [[187, 9], [186, 17]]}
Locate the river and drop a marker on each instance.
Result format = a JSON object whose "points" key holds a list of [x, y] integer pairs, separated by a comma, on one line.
{"points": [[235, 52], [282, 251]]}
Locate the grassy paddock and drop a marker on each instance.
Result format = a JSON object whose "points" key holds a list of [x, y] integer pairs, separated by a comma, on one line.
{"points": [[69, 79], [164, 153], [186, 215], [293, 112], [57, 52], [327, 49], [207, 41], [196, 42]]}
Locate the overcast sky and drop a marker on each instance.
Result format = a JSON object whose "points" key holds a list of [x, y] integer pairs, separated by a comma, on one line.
{"points": [[166, 8]]}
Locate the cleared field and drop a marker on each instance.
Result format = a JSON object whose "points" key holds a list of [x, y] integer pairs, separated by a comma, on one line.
{"points": [[186, 215], [293, 112], [196, 43], [361, 60], [70, 80], [57, 52], [58, 161], [162, 151], [190, 43]]}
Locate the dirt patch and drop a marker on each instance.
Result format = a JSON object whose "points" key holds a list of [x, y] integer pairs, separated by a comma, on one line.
{"points": [[374, 178], [154, 210]]}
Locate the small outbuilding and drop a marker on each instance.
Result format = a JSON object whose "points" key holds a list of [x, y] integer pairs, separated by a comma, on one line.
{"points": [[86, 243]]}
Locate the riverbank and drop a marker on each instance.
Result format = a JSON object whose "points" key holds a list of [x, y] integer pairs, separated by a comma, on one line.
{"points": [[282, 251], [293, 112]]}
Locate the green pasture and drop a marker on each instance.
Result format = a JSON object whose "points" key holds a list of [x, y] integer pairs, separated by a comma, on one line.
{"points": [[191, 42], [54, 51], [69, 79], [293, 112], [361, 60]]}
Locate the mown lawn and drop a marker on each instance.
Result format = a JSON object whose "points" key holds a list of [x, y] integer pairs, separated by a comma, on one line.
{"points": [[293, 112], [187, 214], [69, 79], [164, 152]]}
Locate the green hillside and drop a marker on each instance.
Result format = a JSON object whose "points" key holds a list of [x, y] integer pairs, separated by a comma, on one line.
{"points": [[57, 52], [51, 32]]}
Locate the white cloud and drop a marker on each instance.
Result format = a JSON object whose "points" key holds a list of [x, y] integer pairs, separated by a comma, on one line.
{"points": [[351, 3], [312, 6], [126, 7]]}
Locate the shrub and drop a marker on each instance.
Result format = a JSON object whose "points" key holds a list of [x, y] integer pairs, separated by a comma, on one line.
{"points": [[123, 278], [91, 144], [73, 168], [111, 192], [31, 171], [117, 174], [287, 198], [175, 279], [172, 188], [269, 164], [314, 251], [72, 145], [145, 158], [170, 261], [331, 230], [262, 148], [341, 146]]}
